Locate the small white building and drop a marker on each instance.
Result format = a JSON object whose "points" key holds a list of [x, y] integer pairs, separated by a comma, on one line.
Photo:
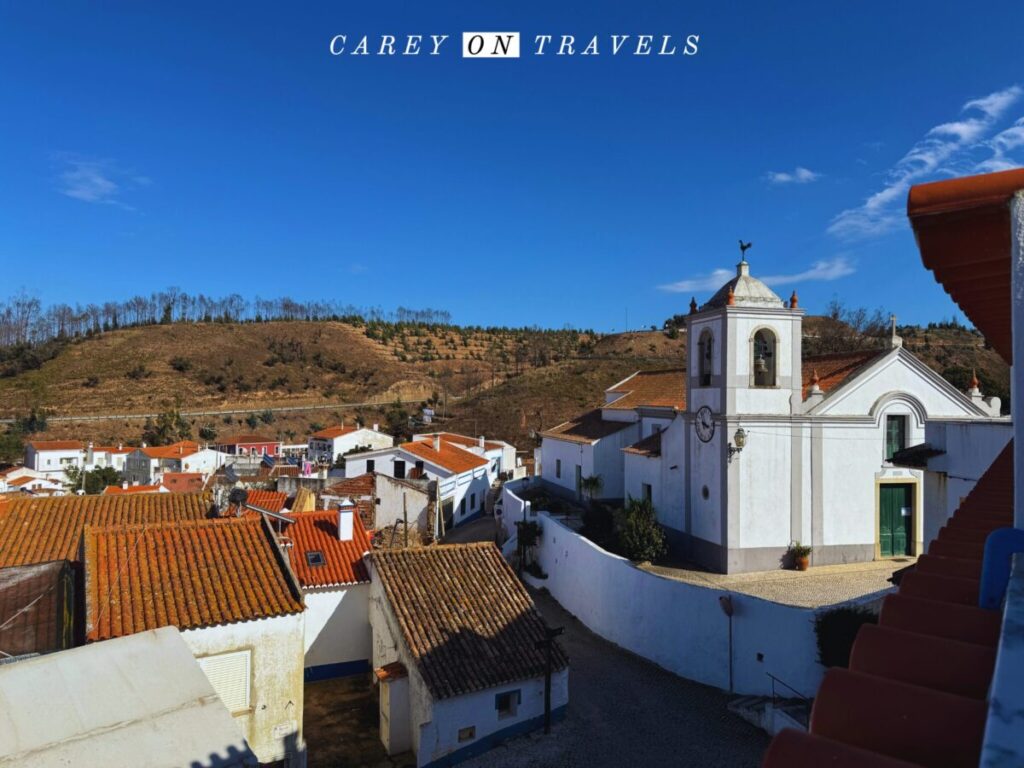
{"points": [[383, 501], [453, 683], [113, 456], [241, 615], [135, 700], [327, 445], [54, 457], [326, 554], [146, 465], [592, 444], [463, 475]]}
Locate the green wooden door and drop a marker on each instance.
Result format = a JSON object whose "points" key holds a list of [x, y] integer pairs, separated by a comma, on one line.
{"points": [[895, 524]]}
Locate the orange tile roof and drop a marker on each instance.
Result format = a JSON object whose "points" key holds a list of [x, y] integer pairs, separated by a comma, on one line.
{"points": [[650, 446], [467, 620], [183, 482], [653, 389], [25, 480], [114, 448], [450, 457], [37, 530], [463, 440], [112, 490], [835, 369], [360, 485], [962, 227], [177, 450], [245, 439], [332, 432], [586, 428], [57, 445], [343, 560], [272, 501], [185, 574], [917, 681]]}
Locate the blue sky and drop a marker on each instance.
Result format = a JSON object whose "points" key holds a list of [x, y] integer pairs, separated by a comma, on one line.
{"points": [[224, 149]]}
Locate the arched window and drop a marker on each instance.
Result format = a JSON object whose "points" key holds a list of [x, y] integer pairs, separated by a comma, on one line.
{"points": [[764, 358], [704, 353]]}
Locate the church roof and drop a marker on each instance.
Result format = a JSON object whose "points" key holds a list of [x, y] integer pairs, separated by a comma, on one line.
{"points": [[835, 369], [653, 389], [746, 291]]}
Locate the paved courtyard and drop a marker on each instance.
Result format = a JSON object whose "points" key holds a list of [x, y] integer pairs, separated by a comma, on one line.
{"points": [[623, 711], [823, 585], [482, 529]]}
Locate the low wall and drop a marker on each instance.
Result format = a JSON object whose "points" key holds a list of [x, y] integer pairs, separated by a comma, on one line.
{"points": [[679, 626]]}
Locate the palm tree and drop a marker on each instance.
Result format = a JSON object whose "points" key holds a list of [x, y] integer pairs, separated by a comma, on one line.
{"points": [[591, 486]]}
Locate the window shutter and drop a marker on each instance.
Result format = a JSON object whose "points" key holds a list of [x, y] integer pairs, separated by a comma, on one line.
{"points": [[229, 675]]}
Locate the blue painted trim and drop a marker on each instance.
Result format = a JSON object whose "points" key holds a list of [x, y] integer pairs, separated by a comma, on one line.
{"points": [[1000, 546], [492, 740], [341, 669]]}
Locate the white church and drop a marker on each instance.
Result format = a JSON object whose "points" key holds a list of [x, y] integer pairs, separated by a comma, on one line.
{"points": [[759, 447]]}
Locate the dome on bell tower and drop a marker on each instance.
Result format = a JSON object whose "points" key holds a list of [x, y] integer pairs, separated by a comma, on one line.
{"points": [[744, 291]]}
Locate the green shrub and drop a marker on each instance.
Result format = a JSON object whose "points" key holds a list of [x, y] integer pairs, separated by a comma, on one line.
{"points": [[640, 537], [836, 630]]}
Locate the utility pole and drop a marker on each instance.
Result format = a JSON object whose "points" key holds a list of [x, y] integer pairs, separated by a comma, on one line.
{"points": [[547, 645], [405, 519]]}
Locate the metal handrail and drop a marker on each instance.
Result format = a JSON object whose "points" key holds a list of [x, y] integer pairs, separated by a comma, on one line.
{"points": [[805, 720]]}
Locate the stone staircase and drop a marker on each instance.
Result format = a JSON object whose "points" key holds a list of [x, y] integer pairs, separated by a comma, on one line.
{"points": [[771, 715]]}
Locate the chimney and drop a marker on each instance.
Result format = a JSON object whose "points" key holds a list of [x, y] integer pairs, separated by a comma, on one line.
{"points": [[481, 441], [376, 427], [124, 485], [345, 514], [437, 443]]}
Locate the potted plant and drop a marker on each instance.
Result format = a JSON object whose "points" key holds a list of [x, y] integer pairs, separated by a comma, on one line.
{"points": [[801, 555]]}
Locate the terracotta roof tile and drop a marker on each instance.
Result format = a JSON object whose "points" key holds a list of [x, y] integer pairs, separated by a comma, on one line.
{"points": [[272, 501], [650, 446], [466, 619], [332, 432], [463, 440], [114, 448], [112, 490], [33, 609], [586, 428], [451, 457], [37, 530], [57, 445], [653, 389], [183, 482], [360, 485], [342, 560], [835, 369], [177, 450], [185, 574]]}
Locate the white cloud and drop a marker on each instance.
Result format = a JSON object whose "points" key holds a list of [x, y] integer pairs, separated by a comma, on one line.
{"points": [[824, 270], [96, 181], [951, 148], [798, 175]]}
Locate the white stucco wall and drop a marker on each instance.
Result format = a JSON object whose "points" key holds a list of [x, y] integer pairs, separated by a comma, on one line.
{"points": [[389, 509], [570, 454], [969, 448], [679, 626], [273, 723], [337, 625]]}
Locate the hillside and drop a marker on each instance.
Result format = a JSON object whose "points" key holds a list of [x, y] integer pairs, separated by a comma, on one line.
{"points": [[506, 383]]}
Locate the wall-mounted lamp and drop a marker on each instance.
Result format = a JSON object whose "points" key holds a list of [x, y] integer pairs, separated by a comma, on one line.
{"points": [[739, 441]]}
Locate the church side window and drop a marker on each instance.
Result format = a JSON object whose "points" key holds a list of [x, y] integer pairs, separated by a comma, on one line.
{"points": [[764, 358], [705, 351]]}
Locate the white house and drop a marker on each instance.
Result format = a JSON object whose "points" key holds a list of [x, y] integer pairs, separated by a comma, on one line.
{"points": [[383, 501], [328, 444], [591, 444], [771, 447], [241, 615], [135, 700], [146, 465], [463, 476], [326, 554], [453, 683], [19, 478], [502, 455], [53, 457], [114, 456]]}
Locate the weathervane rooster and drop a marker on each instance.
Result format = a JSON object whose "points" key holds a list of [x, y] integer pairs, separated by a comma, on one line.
{"points": [[743, 249]]}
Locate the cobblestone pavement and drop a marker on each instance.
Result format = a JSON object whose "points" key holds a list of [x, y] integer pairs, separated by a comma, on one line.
{"points": [[481, 529], [625, 711], [822, 585]]}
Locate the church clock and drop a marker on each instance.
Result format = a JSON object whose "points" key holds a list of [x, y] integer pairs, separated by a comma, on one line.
{"points": [[704, 424]]}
